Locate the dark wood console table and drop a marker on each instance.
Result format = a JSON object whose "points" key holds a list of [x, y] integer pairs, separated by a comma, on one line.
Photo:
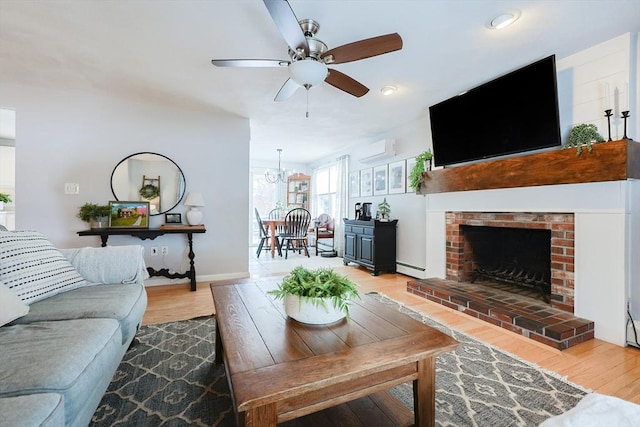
{"points": [[151, 234]]}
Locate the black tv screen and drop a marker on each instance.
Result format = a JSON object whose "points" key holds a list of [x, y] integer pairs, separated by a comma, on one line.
{"points": [[514, 113]]}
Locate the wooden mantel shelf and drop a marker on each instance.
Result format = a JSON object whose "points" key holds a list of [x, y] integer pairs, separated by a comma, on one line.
{"points": [[610, 161]]}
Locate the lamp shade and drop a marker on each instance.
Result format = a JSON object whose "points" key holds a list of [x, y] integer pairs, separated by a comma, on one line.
{"points": [[308, 72], [194, 199]]}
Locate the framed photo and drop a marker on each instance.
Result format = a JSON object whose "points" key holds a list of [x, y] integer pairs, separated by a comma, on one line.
{"points": [[397, 177], [410, 163], [354, 184], [173, 218], [380, 180], [129, 214], [366, 182]]}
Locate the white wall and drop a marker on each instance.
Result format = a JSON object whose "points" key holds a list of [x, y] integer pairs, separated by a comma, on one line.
{"points": [[411, 140], [585, 78], [66, 136]]}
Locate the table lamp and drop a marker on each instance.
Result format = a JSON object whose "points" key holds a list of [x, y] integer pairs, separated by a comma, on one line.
{"points": [[194, 215]]}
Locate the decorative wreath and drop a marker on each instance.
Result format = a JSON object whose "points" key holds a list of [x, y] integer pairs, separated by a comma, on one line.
{"points": [[149, 191]]}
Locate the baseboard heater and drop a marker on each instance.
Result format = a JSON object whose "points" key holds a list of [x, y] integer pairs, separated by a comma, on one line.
{"points": [[410, 270], [410, 266]]}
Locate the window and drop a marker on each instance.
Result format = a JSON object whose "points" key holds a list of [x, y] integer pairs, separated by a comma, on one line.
{"points": [[326, 185]]}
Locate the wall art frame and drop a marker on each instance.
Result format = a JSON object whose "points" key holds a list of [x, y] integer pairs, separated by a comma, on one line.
{"points": [[397, 177], [128, 214], [366, 182], [380, 174], [354, 184]]}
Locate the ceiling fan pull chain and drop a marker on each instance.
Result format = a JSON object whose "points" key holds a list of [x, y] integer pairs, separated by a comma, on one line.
{"points": [[307, 103]]}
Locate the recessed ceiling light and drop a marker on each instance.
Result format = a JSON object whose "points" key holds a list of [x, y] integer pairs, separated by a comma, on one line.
{"points": [[388, 90], [503, 20]]}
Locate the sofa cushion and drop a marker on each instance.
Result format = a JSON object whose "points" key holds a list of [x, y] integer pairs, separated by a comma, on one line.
{"points": [[33, 268], [11, 307], [125, 303], [74, 358], [42, 410]]}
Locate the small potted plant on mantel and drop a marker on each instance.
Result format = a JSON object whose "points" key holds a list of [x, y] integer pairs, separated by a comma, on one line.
{"points": [[316, 296], [585, 134], [423, 163], [96, 215]]}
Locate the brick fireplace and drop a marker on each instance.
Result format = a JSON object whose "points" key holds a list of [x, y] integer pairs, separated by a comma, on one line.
{"points": [[551, 323], [460, 259]]}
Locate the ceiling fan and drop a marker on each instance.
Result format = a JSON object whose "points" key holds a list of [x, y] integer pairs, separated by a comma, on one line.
{"points": [[309, 56]]}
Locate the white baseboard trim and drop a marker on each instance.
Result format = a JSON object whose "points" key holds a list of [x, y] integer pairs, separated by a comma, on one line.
{"points": [[163, 281]]}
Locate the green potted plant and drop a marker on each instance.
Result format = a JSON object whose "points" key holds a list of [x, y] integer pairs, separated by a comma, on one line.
{"points": [[581, 135], [423, 163], [385, 209], [4, 198], [316, 296], [96, 215]]}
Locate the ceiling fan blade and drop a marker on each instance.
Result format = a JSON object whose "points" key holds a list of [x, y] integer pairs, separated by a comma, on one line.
{"points": [[287, 24], [343, 82], [249, 63], [363, 49], [286, 91]]}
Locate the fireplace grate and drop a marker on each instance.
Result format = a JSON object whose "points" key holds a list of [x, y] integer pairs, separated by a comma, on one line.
{"points": [[515, 275]]}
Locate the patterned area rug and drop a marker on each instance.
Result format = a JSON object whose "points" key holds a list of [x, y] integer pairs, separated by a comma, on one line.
{"points": [[168, 378]]}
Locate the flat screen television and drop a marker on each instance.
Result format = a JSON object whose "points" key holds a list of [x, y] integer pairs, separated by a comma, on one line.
{"points": [[514, 113]]}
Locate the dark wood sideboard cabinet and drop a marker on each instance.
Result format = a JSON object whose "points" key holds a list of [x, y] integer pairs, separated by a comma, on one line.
{"points": [[372, 244]]}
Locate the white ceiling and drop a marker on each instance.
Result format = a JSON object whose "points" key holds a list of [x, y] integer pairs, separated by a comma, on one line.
{"points": [[161, 50]]}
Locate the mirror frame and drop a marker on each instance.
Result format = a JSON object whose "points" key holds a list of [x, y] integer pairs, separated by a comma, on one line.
{"points": [[184, 181]]}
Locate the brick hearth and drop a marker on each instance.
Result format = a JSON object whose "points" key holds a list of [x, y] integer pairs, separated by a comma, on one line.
{"points": [[521, 314]]}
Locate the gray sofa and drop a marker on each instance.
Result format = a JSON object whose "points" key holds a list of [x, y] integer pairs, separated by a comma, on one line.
{"points": [[57, 361]]}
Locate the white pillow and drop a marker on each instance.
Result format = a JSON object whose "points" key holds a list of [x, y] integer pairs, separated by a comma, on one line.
{"points": [[33, 269], [11, 307]]}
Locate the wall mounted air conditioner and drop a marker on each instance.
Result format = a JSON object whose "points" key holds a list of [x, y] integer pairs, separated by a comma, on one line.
{"points": [[379, 150]]}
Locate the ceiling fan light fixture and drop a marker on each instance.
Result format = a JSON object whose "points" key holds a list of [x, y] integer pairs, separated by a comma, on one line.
{"points": [[308, 72], [504, 20], [388, 90]]}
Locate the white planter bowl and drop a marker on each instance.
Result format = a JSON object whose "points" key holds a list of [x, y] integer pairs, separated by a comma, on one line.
{"points": [[302, 310]]}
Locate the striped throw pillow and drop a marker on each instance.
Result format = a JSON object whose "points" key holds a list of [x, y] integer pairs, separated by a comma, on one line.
{"points": [[33, 269]]}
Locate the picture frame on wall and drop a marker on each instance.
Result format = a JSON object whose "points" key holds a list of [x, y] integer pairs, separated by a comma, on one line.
{"points": [[397, 177], [410, 163], [366, 182], [354, 184], [128, 214], [380, 180], [173, 218]]}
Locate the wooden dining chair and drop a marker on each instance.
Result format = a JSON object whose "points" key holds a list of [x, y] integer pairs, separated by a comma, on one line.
{"points": [[296, 226], [265, 236]]}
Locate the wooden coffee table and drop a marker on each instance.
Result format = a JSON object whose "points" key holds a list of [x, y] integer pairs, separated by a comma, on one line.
{"points": [[279, 369]]}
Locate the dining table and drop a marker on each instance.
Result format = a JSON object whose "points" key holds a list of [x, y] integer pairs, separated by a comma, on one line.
{"points": [[272, 224]]}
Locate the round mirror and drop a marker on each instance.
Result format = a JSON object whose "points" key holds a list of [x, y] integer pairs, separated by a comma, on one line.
{"points": [[149, 177]]}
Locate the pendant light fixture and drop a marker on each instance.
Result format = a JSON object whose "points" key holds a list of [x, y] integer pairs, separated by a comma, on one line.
{"points": [[274, 177]]}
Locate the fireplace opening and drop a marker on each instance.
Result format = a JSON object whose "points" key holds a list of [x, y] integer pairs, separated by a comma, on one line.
{"points": [[517, 257]]}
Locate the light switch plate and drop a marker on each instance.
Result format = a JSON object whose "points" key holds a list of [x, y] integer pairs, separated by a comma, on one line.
{"points": [[71, 188]]}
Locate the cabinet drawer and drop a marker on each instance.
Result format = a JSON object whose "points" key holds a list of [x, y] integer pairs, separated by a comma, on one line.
{"points": [[367, 231], [357, 229]]}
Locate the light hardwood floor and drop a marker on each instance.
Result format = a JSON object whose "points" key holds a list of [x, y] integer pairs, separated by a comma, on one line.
{"points": [[595, 365]]}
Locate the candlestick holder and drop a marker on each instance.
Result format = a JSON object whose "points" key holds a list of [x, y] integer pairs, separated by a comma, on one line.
{"points": [[625, 116], [608, 114]]}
